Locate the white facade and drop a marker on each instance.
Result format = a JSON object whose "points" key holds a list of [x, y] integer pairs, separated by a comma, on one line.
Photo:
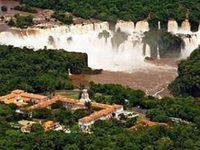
{"points": [[85, 96]]}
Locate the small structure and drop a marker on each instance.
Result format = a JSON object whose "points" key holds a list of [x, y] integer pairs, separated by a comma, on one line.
{"points": [[130, 114], [85, 96], [104, 111], [26, 125], [21, 98], [26, 129], [50, 125], [178, 120], [104, 114], [69, 72]]}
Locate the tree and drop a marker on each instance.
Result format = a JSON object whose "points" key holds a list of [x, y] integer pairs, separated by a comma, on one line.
{"points": [[168, 44], [134, 10], [63, 18], [71, 147], [4, 8], [188, 82], [164, 143], [130, 122], [38, 71], [37, 128], [11, 22], [104, 34], [88, 105]]}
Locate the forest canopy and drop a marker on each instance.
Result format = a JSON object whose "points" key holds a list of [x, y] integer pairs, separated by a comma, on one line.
{"points": [[135, 10], [38, 71], [188, 80]]}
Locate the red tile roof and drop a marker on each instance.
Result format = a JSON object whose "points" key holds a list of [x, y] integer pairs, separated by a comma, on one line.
{"points": [[105, 109], [20, 94], [102, 113]]}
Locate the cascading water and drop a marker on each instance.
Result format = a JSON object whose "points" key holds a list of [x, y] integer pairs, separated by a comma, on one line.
{"points": [[125, 26], [159, 25], [185, 26], [118, 50], [147, 51], [172, 26], [158, 53], [191, 39], [142, 26]]}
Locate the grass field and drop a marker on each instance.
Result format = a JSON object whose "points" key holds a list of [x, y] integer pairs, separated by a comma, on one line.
{"points": [[70, 94]]}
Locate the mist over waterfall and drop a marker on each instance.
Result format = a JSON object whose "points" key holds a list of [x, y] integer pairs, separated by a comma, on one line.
{"points": [[121, 49]]}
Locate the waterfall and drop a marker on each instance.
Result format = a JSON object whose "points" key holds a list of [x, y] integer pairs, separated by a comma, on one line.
{"points": [[142, 26], [69, 72], [85, 38], [147, 51], [158, 53], [191, 42], [185, 26], [191, 39], [96, 39], [125, 26], [129, 26], [172, 26], [159, 25]]}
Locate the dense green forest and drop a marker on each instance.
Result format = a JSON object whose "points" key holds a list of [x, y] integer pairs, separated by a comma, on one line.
{"points": [[188, 80], [154, 10], [186, 108], [61, 17], [21, 21], [38, 71], [25, 8]]}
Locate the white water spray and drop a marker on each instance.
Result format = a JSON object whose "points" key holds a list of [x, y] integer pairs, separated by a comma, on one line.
{"points": [[127, 56]]}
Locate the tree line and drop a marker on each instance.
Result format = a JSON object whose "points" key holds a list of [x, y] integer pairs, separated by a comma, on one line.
{"points": [[188, 80], [185, 108], [134, 10], [20, 21], [38, 71]]}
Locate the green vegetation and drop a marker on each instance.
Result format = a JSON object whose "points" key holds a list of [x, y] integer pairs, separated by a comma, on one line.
{"points": [[70, 94], [108, 135], [188, 80], [38, 71], [61, 114], [118, 38], [63, 18], [161, 110], [25, 8], [134, 10], [169, 44], [112, 134], [157, 110], [111, 93], [104, 34], [4, 8], [21, 21]]}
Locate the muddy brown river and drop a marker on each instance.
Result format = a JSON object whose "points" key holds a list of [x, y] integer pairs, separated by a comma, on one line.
{"points": [[153, 81]]}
